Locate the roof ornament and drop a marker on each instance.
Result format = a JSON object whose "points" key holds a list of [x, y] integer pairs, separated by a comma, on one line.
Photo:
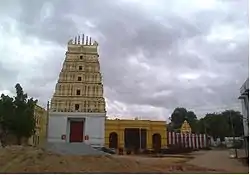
{"points": [[82, 39], [70, 41], [75, 40], [95, 43]]}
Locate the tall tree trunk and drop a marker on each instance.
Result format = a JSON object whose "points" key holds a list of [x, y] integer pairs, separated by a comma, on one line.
{"points": [[3, 136], [19, 140]]}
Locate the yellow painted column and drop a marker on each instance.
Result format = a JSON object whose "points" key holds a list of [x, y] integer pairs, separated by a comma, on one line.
{"points": [[163, 138], [121, 138], [107, 138], [149, 139]]}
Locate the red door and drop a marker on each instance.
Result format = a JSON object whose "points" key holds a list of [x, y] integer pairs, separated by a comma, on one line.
{"points": [[76, 131]]}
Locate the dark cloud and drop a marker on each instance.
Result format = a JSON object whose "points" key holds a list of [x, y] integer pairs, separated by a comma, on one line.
{"points": [[149, 57]]}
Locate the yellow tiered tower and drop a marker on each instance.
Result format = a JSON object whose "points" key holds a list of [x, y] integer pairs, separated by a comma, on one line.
{"points": [[77, 112], [80, 87]]}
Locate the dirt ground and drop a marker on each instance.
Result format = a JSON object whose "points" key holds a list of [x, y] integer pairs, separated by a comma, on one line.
{"points": [[17, 159], [220, 159]]}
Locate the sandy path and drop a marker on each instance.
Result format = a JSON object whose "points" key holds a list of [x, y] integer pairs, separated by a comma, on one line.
{"points": [[219, 159]]}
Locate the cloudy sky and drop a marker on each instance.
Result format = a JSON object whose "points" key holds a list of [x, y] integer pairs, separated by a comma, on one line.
{"points": [[155, 55]]}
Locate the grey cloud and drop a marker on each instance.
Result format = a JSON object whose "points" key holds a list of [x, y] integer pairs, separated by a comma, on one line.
{"points": [[7, 77], [176, 45]]}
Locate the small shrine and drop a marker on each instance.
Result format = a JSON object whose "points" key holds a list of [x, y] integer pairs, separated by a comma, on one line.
{"points": [[185, 127]]}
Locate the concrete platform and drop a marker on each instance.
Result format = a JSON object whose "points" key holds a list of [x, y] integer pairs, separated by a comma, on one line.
{"points": [[72, 149]]}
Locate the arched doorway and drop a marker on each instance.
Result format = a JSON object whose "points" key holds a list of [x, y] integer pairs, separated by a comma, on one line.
{"points": [[113, 140], [156, 139]]}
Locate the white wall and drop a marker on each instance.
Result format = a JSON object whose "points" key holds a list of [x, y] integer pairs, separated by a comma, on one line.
{"points": [[57, 127], [94, 126]]}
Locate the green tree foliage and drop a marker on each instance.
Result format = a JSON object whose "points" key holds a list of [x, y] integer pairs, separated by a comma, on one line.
{"points": [[215, 125], [219, 125], [236, 122], [7, 111], [17, 115], [179, 115]]}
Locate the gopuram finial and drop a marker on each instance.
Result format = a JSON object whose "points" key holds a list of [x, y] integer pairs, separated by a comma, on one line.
{"points": [[87, 40], [70, 41], [75, 40], [82, 39], [95, 43], [90, 42], [78, 39]]}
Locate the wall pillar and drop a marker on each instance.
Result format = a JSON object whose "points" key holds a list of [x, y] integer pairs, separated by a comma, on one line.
{"points": [[149, 139], [121, 138]]}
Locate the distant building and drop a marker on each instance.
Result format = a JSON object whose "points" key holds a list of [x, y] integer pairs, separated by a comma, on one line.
{"points": [[244, 97], [40, 115], [135, 134]]}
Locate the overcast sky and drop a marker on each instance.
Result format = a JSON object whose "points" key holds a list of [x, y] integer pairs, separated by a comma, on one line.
{"points": [[155, 55]]}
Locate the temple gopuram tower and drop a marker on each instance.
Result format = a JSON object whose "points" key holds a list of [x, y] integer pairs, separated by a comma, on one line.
{"points": [[77, 111]]}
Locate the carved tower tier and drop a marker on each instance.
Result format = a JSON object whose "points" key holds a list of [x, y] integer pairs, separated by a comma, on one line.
{"points": [[79, 87]]}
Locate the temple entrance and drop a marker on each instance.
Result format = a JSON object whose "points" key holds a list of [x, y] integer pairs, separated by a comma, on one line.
{"points": [[135, 138], [156, 139], [113, 140], [76, 131]]}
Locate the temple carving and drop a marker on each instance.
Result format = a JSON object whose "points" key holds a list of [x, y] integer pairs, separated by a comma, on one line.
{"points": [[79, 87]]}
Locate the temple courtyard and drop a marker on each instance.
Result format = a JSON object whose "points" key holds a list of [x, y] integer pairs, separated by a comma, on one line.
{"points": [[18, 159]]}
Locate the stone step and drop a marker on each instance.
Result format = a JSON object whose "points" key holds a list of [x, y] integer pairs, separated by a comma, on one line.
{"points": [[73, 149]]}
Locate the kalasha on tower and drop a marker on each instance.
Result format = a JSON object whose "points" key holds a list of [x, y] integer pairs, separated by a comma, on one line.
{"points": [[78, 103]]}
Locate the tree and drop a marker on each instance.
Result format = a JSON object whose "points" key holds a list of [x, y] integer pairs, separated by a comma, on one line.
{"points": [[219, 125], [192, 120], [17, 115], [201, 126], [235, 123], [23, 123], [7, 111], [179, 115]]}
